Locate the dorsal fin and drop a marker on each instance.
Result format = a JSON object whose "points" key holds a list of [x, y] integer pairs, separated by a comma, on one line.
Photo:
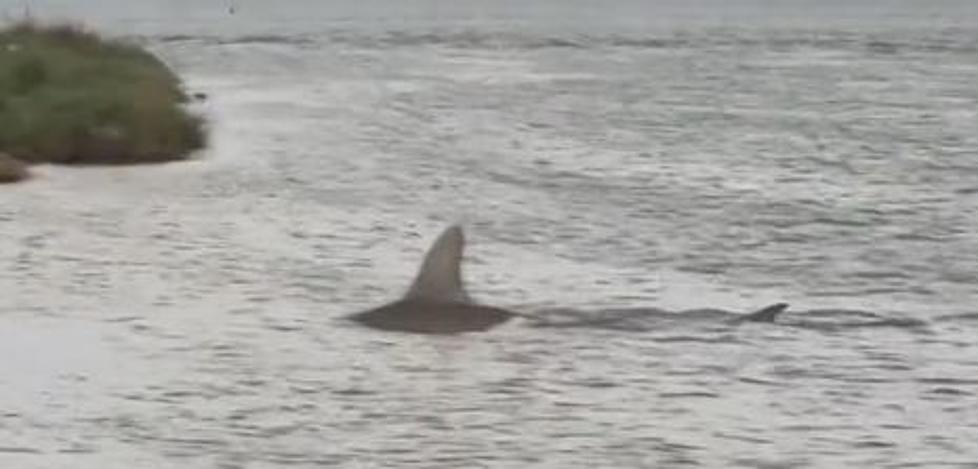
{"points": [[440, 276]]}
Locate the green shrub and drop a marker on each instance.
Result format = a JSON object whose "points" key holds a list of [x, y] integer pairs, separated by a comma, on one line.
{"points": [[68, 96]]}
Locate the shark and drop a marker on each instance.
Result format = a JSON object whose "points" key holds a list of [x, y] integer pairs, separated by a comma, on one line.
{"points": [[437, 301]]}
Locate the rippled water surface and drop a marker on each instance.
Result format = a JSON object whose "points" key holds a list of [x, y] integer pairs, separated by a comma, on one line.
{"points": [[605, 159]]}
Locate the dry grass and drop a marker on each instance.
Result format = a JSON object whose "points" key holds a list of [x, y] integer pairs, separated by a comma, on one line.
{"points": [[69, 96]]}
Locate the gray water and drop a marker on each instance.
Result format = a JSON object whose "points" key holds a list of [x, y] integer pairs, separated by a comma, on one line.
{"points": [[602, 157]]}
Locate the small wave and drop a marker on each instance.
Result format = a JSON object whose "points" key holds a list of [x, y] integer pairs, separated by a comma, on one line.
{"points": [[949, 391], [882, 275], [706, 40], [899, 323], [873, 444], [853, 221], [270, 39], [648, 43], [703, 339], [19, 449], [469, 40], [246, 39], [175, 38], [712, 40], [941, 381], [690, 394], [760, 381], [958, 317], [884, 47]]}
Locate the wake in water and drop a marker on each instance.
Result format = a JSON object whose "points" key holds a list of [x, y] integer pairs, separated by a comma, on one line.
{"points": [[652, 319]]}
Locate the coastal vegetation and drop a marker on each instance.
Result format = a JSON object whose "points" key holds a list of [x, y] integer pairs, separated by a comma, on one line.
{"points": [[12, 170], [68, 96]]}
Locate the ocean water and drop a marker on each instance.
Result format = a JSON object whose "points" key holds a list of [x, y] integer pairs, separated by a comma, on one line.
{"points": [[620, 159]]}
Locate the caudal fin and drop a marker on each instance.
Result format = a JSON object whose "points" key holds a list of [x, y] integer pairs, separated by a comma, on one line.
{"points": [[440, 276], [766, 314]]}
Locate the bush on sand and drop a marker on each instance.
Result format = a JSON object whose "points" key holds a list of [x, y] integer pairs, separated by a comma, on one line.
{"points": [[11, 170], [69, 96]]}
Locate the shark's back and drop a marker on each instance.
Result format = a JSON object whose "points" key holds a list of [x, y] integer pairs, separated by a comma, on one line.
{"points": [[428, 317]]}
